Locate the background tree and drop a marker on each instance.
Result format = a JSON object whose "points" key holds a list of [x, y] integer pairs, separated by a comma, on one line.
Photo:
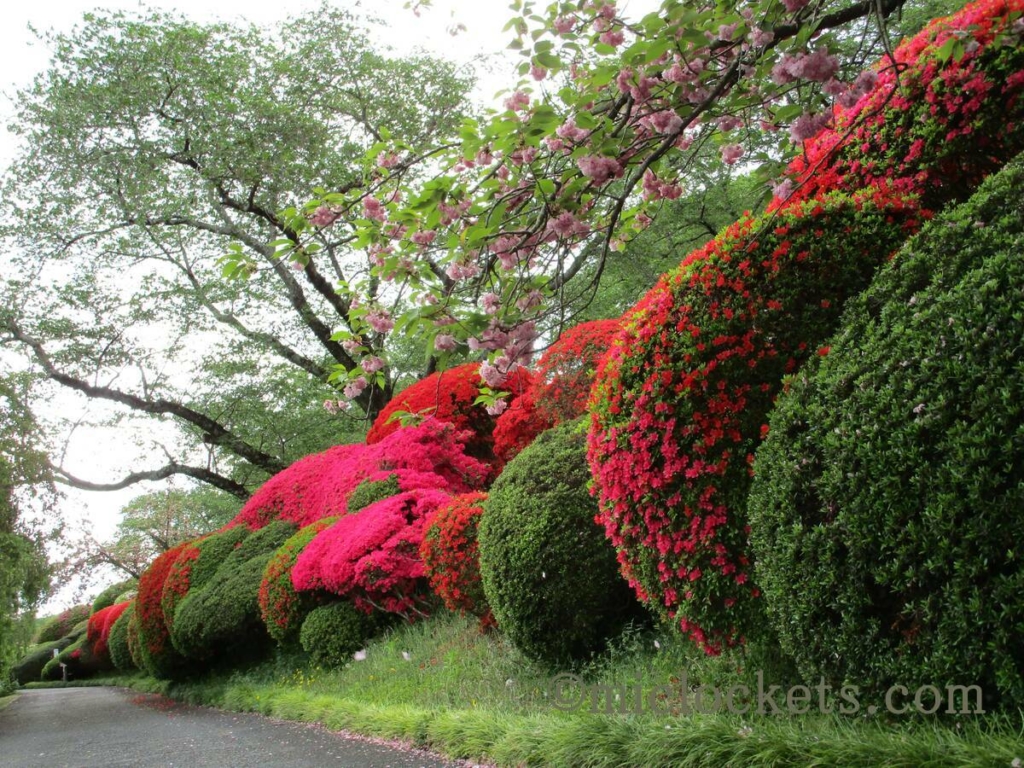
{"points": [[151, 144]]}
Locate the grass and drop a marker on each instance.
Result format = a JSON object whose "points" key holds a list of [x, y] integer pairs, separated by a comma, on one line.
{"points": [[442, 685]]}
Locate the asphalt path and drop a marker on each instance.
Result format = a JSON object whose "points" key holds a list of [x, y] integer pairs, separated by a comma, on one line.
{"points": [[117, 728]]}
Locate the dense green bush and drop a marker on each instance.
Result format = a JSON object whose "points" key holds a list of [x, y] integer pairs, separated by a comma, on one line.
{"points": [[370, 491], [195, 566], [332, 633], [80, 660], [29, 667], [549, 573], [886, 510], [281, 607], [110, 595], [61, 624], [222, 619], [117, 642]]}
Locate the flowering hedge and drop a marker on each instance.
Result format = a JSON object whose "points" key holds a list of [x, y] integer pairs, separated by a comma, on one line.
{"points": [[98, 633], [318, 486], [281, 607], [951, 116], [886, 510], [559, 389], [449, 396], [109, 596], [373, 556], [157, 655], [222, 619], [451, 556], [332, 633], [680, 402], [195, 566]]}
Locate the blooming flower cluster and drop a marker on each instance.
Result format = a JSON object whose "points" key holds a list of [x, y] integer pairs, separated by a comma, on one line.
{"points": [[98, 629], [159, 657], [451, 556]]}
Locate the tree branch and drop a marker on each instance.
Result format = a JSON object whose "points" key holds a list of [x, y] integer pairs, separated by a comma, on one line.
{"points": [[199, 473]]}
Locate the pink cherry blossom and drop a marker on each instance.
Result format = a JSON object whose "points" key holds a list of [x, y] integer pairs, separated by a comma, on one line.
{"points": [[323, 217], [372, 364], [458, 271], [387, 160], [497, 407], [599, 168], [807, 126], [613, 38], [569, 130], [731, 153], [490, 303], [444, 342], [355, 387], [374, 209], [380, 320], [794, 5], [564, 24], [424, 237], [352, 345], [665, 121], [517, 102], [538, 73], [492, 377], [567, 225]]}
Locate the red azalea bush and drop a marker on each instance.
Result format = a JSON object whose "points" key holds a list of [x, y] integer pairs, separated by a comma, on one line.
{"points": [[373, 556], [679, 404], [451, 556], [281, 607], [432, 454], [195, 566], [98, 632], [559, 389], [158, 656], [939, 126], [449, 396], [62, 624]]}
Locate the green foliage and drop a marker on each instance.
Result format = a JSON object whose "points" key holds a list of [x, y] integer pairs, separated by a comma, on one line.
{"points": [[222, 620], [549, 573], [79, 659], [110, 595], [62, 624], [30, 667], [196, 565], [117, 643], [370, 491], [886, 507], [332, 633]]}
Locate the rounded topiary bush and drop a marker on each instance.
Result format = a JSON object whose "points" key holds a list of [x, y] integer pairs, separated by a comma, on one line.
{"points": [[62, 624], [680, 401], [431, 455], [195, 566], [370, 491], [117, 640], [222, 619], [549, 573], [156, 654], [451, 556], [281, 607], [29, 668], [372, 557], [81, 663], [332, 633], [886, 509], [110, 595], [951, 115]]}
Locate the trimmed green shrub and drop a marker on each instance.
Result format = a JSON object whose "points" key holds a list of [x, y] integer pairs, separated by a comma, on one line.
{"points": [[110, 595], [281, 607], [332, 633], [371, 491], [117, 642], [222, 619], [135, 639], [155, 652], [81, 662], [29, 668], [549, 573], [195, 566], [886, 511], [61, 624]]}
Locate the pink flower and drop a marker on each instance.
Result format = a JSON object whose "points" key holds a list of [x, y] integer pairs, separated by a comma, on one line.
{"points": [[613, 38], [794, 5], [781, 190], [564, 24], [567, 225], [484, 157], [728, 122], [323, 217], [531, 300], [538, 73], [760, 37], [458, 271], [569, 130], [599, 168], [355, 387], [444, 342], [726, 32], [517, 102], [492, 377], [352, 345], [731, 153], [491, 303], [424, 237], [380, 320], [497, 407], [387, 160], [374, 209], [666, 121], [807, 126], [372, 364], [523, 155]]}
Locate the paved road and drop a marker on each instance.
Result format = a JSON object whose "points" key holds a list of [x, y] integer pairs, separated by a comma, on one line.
{"points": [[117, 728]]}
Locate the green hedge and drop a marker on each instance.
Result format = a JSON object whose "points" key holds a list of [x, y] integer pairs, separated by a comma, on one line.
{"points": [[371, 491], [332, 633], [549, 574], [110, 595], [29, 668], [222, 619], [196, 565], [62, 624], [117, 642], [887, 511]]}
